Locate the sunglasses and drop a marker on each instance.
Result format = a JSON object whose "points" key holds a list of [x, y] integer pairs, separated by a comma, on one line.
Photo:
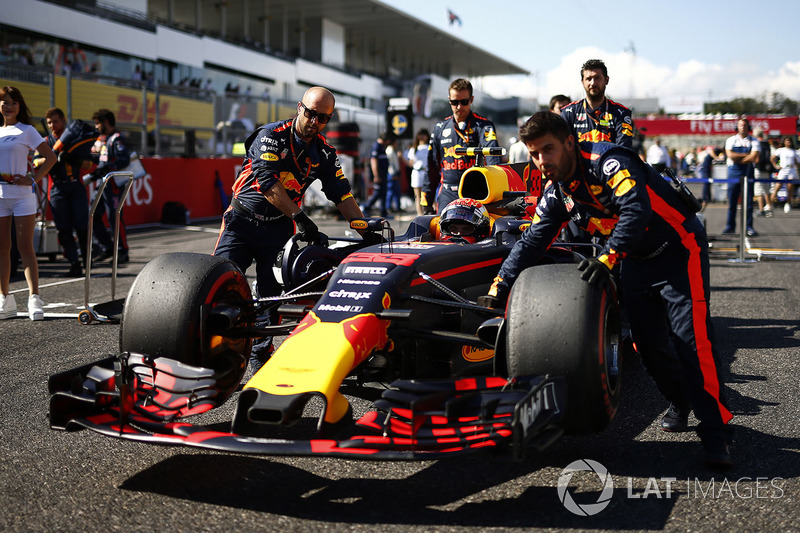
{"points": [[310, 114], [463, 101]]}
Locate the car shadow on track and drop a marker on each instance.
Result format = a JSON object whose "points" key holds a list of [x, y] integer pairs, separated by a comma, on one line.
{"points": [[483, 490]]}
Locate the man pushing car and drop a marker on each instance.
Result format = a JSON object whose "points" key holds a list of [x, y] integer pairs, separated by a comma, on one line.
{"points": [[283, 159], [662, 249]]}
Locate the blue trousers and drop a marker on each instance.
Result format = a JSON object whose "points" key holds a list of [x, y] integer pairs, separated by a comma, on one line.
{"points": [[70, 209], [244, 240]]}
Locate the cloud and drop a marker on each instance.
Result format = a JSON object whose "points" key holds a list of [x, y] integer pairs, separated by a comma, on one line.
{"points": [[632, 76]]}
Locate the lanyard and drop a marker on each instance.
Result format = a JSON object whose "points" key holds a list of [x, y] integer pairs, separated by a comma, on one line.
{"points": [[589, 114]]}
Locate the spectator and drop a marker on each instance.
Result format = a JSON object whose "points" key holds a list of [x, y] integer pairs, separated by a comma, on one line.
{"points": [[111, 153], [18, 199], [787, 160], [418, 159], [705, 160], [596, 118], [742, 151], [379, 164], [393, 176], [557, 102], [518, 152], [461, 129], [658, 156], [763, 171]]}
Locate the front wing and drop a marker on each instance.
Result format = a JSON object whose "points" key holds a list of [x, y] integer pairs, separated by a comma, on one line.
{"points": [[132, 397]]}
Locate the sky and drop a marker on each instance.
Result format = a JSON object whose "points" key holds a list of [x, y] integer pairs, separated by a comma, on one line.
{"points": [[680, 51]]}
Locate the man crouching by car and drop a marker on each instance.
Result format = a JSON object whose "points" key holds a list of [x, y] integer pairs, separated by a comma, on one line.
{"points": [[664, 268], [282, 160]]}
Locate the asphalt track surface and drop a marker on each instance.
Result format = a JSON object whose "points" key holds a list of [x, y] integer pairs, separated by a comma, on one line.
{"points": [[57, 481]]}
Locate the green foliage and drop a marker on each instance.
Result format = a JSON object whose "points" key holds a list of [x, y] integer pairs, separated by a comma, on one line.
{"points": [[773, 103]]}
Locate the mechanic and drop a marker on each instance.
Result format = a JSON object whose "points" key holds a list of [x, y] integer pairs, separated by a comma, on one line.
{"points": [[67, 196], [461, 129], [111, 153], [596, 118], [464, 220], [283, 159], [663, 251]]}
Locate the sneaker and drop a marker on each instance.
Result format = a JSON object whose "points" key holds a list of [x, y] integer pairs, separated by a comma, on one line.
{"points": [[787, 207], [102, 255], [768, 213], [123, 257], [761, 213], [751, 232], [8, 306], [35, 307], [675, 420], [728, 231]]}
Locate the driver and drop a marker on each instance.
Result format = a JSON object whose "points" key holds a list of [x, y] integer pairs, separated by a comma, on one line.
{"points": [[464, 220], [283, 159]]}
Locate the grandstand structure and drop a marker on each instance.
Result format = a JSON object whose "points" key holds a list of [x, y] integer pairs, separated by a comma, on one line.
{"points": [[193, 77]]}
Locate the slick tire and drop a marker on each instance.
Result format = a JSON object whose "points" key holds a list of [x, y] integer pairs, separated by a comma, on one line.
{"points": [[560, 325], [170, 312]]}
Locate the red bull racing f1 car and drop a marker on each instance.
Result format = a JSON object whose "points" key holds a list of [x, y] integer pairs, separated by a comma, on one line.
{"points": [[402, 312]]}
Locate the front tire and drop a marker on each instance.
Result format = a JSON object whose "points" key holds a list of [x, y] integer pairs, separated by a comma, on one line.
{"points": [[560, 325], [169, 313]]}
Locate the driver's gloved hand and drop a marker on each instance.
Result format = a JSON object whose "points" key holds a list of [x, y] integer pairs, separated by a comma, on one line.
{"points": [[595, 272], [308, 231]]}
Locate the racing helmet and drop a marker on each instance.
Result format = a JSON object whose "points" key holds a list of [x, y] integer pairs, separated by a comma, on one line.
{"points": [[462, 214]]}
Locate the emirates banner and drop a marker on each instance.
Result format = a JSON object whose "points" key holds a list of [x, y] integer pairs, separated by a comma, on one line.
{"points": [[772, 125]]}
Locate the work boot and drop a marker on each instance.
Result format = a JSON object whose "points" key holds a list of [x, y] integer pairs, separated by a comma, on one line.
{"points": [[718, 451], [75, 270], [675, 420]]}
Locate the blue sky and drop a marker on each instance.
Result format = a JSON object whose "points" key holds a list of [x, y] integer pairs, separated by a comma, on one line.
{"points": [[707, 50]]}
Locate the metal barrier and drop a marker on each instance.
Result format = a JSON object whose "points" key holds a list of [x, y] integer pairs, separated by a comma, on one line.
{"points": [[117, 218]]}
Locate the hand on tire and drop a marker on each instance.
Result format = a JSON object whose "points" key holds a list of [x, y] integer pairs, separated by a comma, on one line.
{"points": [[594, 272], [308, 231], [492, 302]]}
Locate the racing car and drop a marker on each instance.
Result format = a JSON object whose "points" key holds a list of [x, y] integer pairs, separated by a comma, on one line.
{"points": [[457, 377]]}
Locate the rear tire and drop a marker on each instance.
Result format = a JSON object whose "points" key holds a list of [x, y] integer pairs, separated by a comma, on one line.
{"points": [[560, 325], [167, 314]]}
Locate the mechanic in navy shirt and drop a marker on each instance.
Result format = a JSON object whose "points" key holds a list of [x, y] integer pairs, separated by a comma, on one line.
{"points": [[662, 247], [283, 159], [67, 196], [111, 153], [461, 129], [596, 118]]}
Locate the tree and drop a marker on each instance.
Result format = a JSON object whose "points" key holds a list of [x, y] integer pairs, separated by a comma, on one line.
{"points": [[773, 103]]}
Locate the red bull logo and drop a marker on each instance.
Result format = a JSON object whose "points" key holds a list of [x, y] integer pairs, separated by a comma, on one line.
{"points": [[365, 333], [603, 226], [290, 183], [450, 151]]}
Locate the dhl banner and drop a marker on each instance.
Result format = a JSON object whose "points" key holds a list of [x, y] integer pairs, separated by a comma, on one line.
{"points": [[88, 97], [192, 182]]}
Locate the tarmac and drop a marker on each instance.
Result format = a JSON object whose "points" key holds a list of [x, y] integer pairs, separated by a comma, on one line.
{"points": [[80, 481]]}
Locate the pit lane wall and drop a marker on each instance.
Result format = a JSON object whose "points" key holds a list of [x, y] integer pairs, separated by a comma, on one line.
{"points": [[191, 181]]}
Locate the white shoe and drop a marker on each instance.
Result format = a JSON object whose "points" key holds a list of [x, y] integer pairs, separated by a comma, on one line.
{"points": [[787, 207], [8, 307], [35, 307]]}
